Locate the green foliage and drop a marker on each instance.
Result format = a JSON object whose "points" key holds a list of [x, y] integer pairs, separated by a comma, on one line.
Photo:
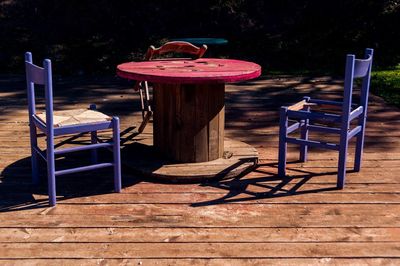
{"points": [[386, 83]]}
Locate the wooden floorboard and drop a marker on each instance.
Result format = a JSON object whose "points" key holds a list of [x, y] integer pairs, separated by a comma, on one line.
{"points": [[206, 261], [199, 250], [257, 219]]}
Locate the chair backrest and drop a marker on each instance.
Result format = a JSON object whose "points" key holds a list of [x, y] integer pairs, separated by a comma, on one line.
{"points": [[176, 47], [357, 68], [40, 76]]}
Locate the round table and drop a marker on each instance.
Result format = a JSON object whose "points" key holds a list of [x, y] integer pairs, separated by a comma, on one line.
{"points": [[188, 98]]}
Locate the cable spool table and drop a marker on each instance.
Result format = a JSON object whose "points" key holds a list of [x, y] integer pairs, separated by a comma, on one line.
{"points": [[189, 108]]}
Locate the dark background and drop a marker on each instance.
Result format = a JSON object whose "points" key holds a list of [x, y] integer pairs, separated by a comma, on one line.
{"points": [[91, 37]]}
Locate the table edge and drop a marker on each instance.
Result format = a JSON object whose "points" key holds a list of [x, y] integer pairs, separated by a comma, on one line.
{"points": [[190, 80]]}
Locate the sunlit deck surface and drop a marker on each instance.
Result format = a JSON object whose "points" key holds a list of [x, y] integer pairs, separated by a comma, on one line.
{"points": [[255, 219]]}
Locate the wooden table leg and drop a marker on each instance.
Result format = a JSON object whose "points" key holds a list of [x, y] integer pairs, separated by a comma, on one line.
{"points": [[189, 121]]}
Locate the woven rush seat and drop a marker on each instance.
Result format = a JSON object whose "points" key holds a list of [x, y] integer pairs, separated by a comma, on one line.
{"points": [[75, 117]]}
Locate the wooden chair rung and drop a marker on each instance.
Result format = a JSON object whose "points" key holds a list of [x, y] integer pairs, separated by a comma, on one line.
{"points": [[300, 105]]}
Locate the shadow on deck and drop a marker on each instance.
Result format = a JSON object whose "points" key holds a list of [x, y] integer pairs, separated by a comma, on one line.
{"points": [[251, 115]]}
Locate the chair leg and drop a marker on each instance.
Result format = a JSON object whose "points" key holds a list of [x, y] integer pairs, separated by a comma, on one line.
{"points": [[142, 102], [304, 135], [146, 107], [93, 140], [145, 121], [34, 156], [35, 168], [342, 162], [117, 156], [51, 177], [283, 123], [147, 96], [359, 150]]}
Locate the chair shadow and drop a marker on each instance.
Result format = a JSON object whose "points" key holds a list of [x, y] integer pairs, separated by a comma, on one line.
{"points": [[239, 186], [17, 192]]}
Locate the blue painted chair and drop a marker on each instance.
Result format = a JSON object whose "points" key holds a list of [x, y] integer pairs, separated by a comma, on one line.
{"points": [[303, 116], [62, 123]]}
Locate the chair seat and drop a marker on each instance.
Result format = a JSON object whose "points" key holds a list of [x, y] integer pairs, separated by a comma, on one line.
{"points": [[75, 117]]}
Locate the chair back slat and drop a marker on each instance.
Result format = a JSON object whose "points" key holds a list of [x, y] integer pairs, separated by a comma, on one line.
{"points": [[366, 81], [34, 73], [361, 67], [357, 68], [176, 47]]}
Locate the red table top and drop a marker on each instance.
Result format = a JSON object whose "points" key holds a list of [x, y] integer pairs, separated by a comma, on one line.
{"points": [[203, 70]]}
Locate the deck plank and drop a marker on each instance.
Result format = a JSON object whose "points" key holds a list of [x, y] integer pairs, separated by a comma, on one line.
{"points": [[199, 250], [207, 261], [257, 219]]}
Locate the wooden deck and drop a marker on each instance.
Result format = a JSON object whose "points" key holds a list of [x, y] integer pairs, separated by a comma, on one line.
{"points": [[257, 219]]}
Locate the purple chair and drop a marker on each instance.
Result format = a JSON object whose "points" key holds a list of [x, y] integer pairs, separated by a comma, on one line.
{"points": [[303, 117], [62, 123]]}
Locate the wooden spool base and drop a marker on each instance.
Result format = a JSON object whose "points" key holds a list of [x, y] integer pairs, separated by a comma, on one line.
{"points": [[189, 122], [141, 157]]}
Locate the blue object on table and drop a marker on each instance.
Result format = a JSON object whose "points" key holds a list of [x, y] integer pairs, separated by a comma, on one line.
{"points": [[301, 113], [200, 41]]}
